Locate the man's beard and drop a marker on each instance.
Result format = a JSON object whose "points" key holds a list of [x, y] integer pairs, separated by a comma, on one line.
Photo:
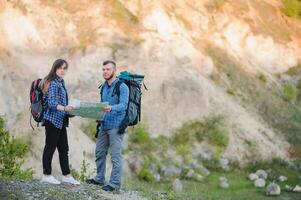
{"points": [[110, 77]]}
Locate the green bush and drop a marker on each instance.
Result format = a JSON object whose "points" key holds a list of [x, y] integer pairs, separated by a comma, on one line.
{"points": [[12, 153], [296, 70], [289, 92], [292, 8], [262, 77], [211, 129], [140, 139], [83, 174], [215, 130], [145, 174]]}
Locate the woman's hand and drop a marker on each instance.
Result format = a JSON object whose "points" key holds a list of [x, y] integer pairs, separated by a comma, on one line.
{"points": [[68, 108]]}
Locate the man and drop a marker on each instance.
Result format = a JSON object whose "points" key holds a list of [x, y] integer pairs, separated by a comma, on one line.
{"points": [[108, 137]]}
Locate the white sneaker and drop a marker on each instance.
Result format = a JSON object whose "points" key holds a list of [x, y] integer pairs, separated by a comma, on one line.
{"points": [[70, 179], [49, 179]]}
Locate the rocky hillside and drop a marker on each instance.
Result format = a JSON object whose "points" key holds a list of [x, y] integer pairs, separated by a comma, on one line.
{"points": [[219, 57]]}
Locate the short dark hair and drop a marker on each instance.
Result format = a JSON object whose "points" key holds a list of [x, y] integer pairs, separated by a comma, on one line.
{"points": [[109, 62]]}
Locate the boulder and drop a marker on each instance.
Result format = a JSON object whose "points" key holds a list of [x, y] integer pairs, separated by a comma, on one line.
{"points": [[224, 164], [259, 183], [171, 171], [282, 178], [253, 177], [262, 174], [297, 189], [273, 190], [177, 185]]}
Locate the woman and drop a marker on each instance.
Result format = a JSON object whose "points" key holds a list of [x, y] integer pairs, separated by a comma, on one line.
{"points": [[56, 120]]}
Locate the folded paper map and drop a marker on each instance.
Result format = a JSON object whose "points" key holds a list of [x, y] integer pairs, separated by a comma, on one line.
{"points": [[87, 109]]}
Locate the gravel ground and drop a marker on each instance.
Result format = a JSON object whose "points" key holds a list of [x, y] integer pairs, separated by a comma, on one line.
{"points": [[33, 189]]}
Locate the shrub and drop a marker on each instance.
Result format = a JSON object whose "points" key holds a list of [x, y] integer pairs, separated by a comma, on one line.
{"points": [[140, 139], [292, 8], [83, 174], [12, 153], [211, 129], [289, 92]]}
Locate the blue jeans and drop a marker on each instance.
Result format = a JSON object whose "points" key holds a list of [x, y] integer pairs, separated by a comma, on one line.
{"points": [[112, 141]]}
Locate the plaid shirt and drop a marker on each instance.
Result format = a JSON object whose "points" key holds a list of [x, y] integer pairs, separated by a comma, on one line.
{"points": [[56, 95], [119, 105]]}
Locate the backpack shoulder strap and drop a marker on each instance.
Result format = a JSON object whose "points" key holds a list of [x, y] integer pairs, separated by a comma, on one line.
{"points": [[117, 88], [100, 87]]}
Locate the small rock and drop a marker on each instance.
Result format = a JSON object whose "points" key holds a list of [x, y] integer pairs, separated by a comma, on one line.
{"points": [[204, 171], [190, 174], [282, 178], [223, 179], [259, 183], [253, 177], [157, 177], [198, 177], [224, 184], [224, 164], [288, 188], [177, 185], [273, 190], [172, 171], [262, 174], [297, 189]]}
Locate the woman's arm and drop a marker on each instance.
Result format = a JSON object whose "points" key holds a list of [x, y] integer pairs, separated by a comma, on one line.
{"points": [[53, 98]]}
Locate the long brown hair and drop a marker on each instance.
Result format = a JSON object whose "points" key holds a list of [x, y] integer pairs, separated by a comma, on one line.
{"points": [[52, 74]]}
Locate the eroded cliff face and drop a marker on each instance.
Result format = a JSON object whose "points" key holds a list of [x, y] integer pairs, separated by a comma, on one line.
{"points": [[168, 41]]}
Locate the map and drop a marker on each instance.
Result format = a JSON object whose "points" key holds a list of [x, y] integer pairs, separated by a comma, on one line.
{"points": [[87, 109]]}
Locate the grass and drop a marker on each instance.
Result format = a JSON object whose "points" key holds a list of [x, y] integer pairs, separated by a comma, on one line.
{"points": [[125, 19], [240, 187], [293, 71], [290, 92], [292, 8]]}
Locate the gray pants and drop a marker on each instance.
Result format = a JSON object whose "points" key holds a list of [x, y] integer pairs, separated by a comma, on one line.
{"points": [[112, 141]]}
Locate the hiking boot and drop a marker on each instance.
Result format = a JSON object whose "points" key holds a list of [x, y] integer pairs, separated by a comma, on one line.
{"points": [[108, 188], [92, 181]]}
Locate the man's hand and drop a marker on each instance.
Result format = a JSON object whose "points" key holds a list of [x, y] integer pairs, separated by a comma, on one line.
{"points": [[107, 109]]}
